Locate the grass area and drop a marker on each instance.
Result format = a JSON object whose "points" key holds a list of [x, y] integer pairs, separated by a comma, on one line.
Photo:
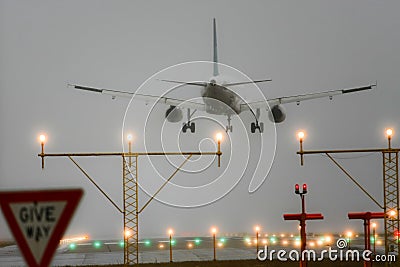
{"points": [[6, 243]]}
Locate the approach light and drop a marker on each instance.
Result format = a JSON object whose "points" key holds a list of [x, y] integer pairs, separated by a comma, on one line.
{"points": [[374, 225], [129, 137], [392, 213], [42, 138], [127, 233], [170, 231], [300, 135], [214, 230], [389, 132], [257, 228], [297, 189], [219, 137], [304, 188]]}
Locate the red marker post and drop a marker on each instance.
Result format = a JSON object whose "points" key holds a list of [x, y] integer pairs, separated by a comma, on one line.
{"points": [[366, 217], [302, 218]]}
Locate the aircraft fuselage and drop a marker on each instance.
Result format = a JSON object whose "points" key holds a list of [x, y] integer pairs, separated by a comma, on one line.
{"points": [[220, 100]]}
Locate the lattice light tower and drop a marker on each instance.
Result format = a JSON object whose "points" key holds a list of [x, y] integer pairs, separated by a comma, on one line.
{"points": [[390, 178], [130, 209], [391, 195]]}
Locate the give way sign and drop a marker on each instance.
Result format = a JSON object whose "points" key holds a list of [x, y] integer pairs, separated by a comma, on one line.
{"points": [[38, 220]]}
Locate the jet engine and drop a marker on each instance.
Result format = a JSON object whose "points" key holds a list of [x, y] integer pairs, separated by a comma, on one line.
{"points": [[173, 114], [277, 114]]}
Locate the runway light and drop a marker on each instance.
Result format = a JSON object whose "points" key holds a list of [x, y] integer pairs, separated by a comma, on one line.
{"points": [[122, 243], [220, 244], [197, 241], [173, 242], [264, 241], [190, 245], [285, 242], [72, 246], [222, 240], [147, 243], [320, 242], [161, 246], [97, 244]]}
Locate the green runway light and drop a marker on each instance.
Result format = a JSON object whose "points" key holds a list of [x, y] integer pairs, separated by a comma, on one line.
{"points": [[222, 240], [248, 240], [147, 243], [197, 241], [173, 242], [121, 243], [273, 240], [72, 246], [97, 244]]}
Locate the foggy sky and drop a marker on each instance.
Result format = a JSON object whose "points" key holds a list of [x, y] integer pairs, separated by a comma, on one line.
{"points": [[303, 46]]}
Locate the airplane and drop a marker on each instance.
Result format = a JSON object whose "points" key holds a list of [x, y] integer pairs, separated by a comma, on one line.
{"points": [[219, 98]]}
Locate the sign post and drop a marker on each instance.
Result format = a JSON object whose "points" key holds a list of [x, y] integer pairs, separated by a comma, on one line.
{"points": [[38, 220]]}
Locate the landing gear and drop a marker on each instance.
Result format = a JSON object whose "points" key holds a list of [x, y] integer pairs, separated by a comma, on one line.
{"points": [[188, 124], [256, 125], [229, 128]]}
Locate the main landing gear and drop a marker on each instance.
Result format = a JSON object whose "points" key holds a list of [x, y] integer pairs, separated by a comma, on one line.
{"points": [[257, 125], [189, 125]]}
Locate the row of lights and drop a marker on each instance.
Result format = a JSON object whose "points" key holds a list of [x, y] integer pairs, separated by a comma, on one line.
{"points": [[389, 133], [129, 137]]}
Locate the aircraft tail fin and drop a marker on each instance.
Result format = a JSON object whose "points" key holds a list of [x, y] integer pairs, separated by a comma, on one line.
{"points": [[215, 59]]}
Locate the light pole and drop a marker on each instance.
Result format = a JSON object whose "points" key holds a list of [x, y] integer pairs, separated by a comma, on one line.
{"points": [[374, 235], [214, 232], [257, 228], [170, 232], [389, 133], [300, 136], [303, 216], [219, 139], [42, 139], [349, 235]]}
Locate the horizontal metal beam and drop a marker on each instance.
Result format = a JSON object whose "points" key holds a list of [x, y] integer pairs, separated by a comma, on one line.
{"points": [[381, 150], [133, 154]]}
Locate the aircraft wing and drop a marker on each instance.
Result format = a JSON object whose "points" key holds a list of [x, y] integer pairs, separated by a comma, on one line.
{"points": [[147, 98], [300, 98]]}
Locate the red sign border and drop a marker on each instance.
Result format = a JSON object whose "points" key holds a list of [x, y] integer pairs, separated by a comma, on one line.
{"points": [[71, 196]]}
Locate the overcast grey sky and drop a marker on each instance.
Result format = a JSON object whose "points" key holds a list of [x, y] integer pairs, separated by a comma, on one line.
{"points": [[303, 46]]}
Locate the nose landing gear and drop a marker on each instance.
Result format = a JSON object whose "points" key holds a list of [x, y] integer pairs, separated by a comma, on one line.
{"points": [[189, 125]]}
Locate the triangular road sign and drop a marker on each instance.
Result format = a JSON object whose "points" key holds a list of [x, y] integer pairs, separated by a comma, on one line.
{"points": [[38, 220]]}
